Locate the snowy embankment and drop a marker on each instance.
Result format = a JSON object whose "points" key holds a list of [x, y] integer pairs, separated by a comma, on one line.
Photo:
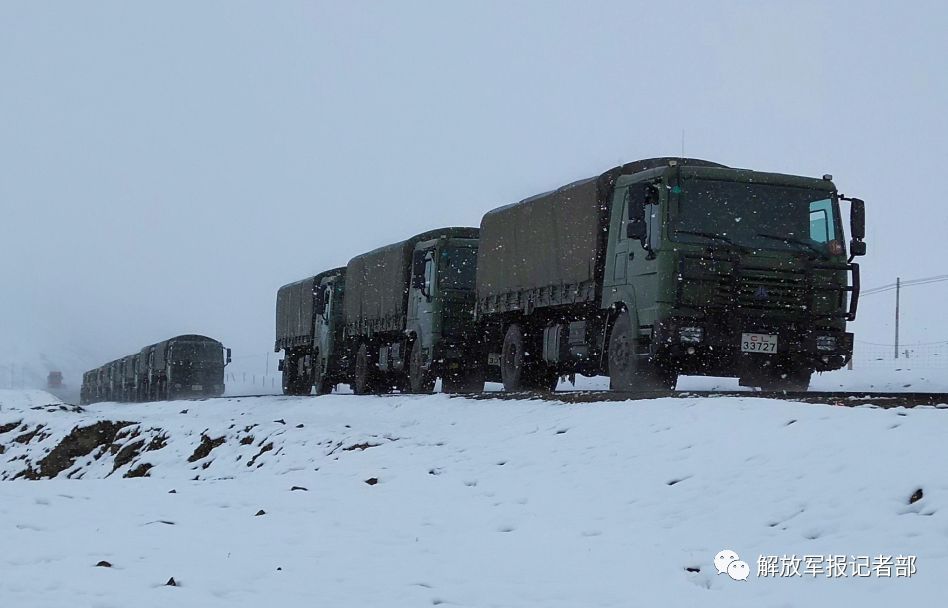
{"points": [[415, 501]]}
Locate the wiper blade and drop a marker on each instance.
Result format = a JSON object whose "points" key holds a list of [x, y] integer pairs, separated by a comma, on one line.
{"points": [[793, 240], [713, 236]]}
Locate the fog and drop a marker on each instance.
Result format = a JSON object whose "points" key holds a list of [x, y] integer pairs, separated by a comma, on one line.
{"points": [[164, 168]]}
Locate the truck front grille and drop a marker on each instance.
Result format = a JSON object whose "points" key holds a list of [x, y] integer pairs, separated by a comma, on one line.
{"points": [[769, 290]]}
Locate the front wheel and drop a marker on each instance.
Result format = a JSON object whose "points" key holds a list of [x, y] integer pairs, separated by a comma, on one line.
{"points": [[420, 380], [629, 369]]}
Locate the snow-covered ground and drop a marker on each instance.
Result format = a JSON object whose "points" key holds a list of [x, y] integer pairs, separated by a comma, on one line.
{"points": [[875, 376], [429, 500]]}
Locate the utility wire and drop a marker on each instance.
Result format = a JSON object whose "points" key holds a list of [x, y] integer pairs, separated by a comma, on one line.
{"points": [[923, 281]]}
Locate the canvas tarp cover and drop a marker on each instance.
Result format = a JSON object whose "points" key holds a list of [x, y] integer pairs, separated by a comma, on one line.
{"points": [[378, 283], [294, 310], [549, 239]]}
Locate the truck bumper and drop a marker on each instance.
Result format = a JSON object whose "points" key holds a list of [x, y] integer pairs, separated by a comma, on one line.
{"points": [[700, 346]]}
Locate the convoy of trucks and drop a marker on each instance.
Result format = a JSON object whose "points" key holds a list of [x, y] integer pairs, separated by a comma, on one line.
{"points": [[650, 270], [653, 269], [180, 367]]}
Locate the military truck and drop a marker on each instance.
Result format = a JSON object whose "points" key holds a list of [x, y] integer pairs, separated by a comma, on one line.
{"points": [[180, 367], [409, 313], [667, 266], [309, 325]]}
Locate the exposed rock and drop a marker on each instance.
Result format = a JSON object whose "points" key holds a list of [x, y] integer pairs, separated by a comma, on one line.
{"points": [[204, 449], [81, 441], [139, 471], [262, 451], [361, 446], [28, 437], [128, 453]]}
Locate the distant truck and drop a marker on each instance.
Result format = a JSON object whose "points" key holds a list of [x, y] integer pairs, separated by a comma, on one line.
{"points": [[54, 380], [409, 314], [309, 325], [178, 368], [670, 266]]}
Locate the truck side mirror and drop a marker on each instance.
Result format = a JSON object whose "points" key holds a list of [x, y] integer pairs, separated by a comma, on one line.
{"points": [[635, 229], [857, 227], [228, 356], [857, 219], [418, 270]]}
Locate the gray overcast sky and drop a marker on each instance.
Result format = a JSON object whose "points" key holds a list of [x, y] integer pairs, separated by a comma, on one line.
{"points": [[164, 167]]}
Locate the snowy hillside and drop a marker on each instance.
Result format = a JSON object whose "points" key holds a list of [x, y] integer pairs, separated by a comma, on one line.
{"points": [[420, 501]]}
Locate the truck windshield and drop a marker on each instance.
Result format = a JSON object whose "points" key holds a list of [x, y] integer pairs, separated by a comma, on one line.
{"points": [[457, 268], [758, 216], [197, 352]]}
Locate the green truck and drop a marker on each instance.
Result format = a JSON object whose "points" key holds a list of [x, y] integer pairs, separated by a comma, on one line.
{"points": [[409, 314], [178, 368], [670, 266], [309, 330]]}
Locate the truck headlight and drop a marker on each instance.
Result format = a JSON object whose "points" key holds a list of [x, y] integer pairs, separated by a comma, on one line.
{"points": [[691, 335], [826, 343]]}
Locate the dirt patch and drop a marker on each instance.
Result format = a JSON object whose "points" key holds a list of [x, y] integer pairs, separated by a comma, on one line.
{"points": [[262, 451], [157, 442], [360, 446], [139, 471], [6, 428], [204, 449], [79, 442], [128, 453], [28, 437], [247, 440]]}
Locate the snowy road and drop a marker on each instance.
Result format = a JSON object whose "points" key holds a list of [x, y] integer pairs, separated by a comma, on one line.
{"points": [[477, 503]]}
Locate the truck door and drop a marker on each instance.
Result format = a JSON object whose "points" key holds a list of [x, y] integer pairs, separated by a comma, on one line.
{"points": [[642, 270], [631, 268], [420, 298], [323, 334]]}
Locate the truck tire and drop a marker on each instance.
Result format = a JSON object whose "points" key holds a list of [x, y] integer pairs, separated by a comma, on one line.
{"points": [[324, 385], [296, 379], [289, 375], [420, 380], [628, 370], [518, 370], [513, 360], [365, 381]]}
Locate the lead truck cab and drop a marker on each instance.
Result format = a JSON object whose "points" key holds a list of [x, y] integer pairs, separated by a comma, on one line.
{"points": [[732, 272]]}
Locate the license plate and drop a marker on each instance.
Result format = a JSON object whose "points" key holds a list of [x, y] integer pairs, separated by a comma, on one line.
{"points": [[758, 343], [197, 387]]}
